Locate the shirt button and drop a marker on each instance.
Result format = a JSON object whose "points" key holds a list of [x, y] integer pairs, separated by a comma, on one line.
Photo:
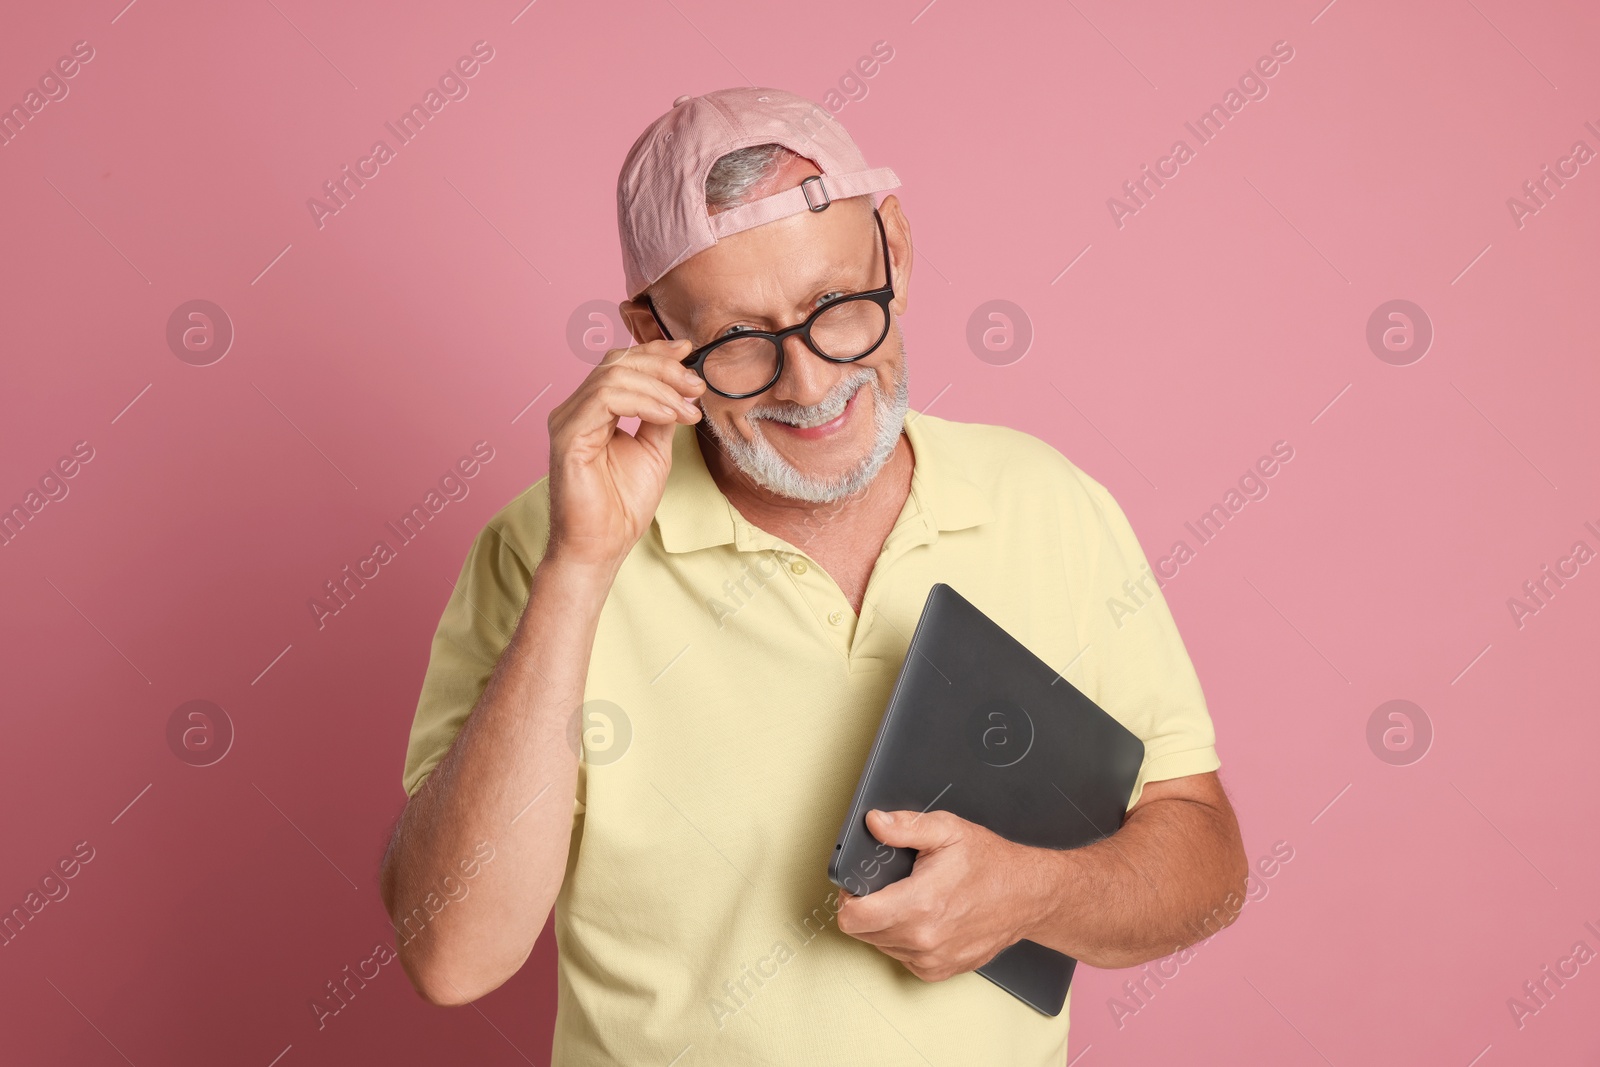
{"points": [[798, 566], [836, 617]]}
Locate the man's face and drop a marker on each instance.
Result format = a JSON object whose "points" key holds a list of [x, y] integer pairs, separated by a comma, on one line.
{"points": [[824, 429]]}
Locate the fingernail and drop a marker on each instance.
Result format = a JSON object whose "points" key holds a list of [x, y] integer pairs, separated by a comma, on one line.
{"points": [[885, 816]]}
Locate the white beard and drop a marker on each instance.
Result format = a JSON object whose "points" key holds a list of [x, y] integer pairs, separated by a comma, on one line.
{"points": [[764, 466]]}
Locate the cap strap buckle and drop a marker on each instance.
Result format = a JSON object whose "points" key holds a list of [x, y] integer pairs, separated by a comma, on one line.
{"points": [[806, 191]]}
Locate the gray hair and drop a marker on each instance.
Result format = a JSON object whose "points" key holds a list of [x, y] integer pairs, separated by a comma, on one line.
{"points": [[735, 174]]}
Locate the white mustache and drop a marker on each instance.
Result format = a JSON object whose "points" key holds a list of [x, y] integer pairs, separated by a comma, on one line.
{"points": [[826, 410]]}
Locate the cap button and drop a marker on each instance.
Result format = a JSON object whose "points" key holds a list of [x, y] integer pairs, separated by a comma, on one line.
{"points": [[684, 99]]}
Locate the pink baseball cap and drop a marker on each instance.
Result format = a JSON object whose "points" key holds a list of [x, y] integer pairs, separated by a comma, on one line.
{"points": [[661, 192]]}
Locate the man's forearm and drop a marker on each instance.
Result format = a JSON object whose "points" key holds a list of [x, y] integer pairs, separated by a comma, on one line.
{"points": [[1172, 875], [508, 780]]}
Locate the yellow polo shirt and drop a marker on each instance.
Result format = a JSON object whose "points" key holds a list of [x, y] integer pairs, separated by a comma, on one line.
{"points": [[731, 700]]}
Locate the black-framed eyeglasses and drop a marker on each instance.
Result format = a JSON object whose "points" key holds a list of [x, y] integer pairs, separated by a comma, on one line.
{"points": [[749, 362]]}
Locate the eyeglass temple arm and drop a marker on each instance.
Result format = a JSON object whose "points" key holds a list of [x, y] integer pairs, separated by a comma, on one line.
{"points": [[645, 299]]}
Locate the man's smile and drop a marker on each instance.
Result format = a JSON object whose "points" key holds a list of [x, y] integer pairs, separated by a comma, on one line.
{"points": [[825, 429]]}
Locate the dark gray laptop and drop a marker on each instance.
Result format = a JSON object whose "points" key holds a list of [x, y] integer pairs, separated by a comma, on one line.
{"points": [[979, 726]]}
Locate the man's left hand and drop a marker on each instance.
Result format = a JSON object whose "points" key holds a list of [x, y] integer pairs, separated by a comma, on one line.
{"points": [[967, 898]]}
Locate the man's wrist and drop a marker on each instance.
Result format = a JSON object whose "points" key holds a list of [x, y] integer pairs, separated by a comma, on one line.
{"points": [[580, 579], [1045, 888], [572, 591]]}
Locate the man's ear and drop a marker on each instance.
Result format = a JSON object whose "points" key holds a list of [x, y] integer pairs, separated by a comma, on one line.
{"points": [[641, 324], [897, 228]]}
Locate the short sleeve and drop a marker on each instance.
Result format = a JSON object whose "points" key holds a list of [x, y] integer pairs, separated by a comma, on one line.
{"points": [[482, 613], [1134, 659]]}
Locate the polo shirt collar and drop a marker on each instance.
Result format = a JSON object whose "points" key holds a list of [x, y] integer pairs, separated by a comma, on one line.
{"points": [[694, 513]]}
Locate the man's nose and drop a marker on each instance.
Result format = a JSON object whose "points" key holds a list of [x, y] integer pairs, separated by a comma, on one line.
{"points": [[807, 377]]}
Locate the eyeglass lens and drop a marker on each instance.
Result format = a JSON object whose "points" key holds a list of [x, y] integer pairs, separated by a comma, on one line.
{"points": [[843, 330]]}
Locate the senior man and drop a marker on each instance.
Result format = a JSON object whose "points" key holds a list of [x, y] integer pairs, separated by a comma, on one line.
{"points": [[692, 630]]}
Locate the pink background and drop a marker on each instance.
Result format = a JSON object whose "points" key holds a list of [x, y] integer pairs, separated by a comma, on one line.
{"points": [[432, 312]]}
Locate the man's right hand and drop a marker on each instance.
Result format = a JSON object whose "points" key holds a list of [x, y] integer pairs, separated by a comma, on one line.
{"points": [[515, 744], [605, 484]]}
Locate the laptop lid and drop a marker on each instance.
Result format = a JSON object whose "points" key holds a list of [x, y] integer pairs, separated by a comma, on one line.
{"points": [[979, 726]]}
